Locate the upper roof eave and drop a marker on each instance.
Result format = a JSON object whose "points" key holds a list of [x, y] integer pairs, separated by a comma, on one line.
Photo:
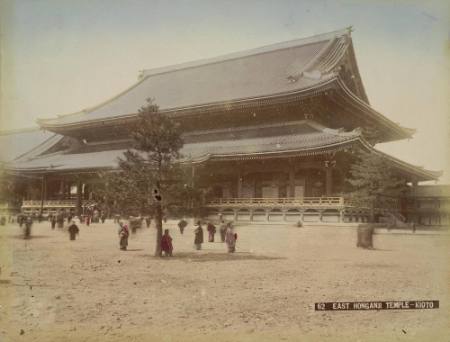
{"points": [[331, 82], [419, 172]]}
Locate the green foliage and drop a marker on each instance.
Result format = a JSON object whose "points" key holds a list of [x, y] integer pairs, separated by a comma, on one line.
{"points": [[150, 163], [7, 188], [371, 178]]}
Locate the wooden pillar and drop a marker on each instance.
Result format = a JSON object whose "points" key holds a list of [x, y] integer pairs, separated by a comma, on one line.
{"points": [[239, 184], [79, 197], [328, 181], [291, 192], [43, 193]]}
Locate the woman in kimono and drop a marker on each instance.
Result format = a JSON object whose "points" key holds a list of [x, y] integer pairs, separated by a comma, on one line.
{"points": [[166, 243], [230, 239], [124, 233], [198, 236], [211, 231]]}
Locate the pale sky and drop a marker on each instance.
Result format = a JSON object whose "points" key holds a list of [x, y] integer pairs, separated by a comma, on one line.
{"points": [[60, 56]]}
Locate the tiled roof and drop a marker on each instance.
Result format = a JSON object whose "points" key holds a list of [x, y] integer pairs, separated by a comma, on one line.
{"points": [[13, 144], [270, 70]]}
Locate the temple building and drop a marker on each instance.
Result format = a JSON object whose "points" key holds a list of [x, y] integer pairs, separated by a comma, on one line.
{"points": [[270, 132]]}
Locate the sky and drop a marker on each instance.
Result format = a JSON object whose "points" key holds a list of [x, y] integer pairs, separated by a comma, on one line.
{"points": [[60, 56]]}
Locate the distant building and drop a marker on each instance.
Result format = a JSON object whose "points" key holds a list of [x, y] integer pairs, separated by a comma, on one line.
{"points": [[270, 132], [429, 205]]}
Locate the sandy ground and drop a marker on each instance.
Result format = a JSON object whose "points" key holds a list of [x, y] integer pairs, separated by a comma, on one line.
{"points": [[53, 289]]}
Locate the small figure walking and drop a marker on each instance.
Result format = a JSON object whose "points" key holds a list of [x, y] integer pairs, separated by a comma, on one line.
{"points": [[73, 230], [182, 224], [60, 220], [222, 230], [230, 238], [148, 220], [211, 231], [124, 233], [28, 224], [166, 243], [198, 236]]}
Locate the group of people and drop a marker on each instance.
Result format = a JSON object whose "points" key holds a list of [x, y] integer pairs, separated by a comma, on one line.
{"points": [[227, 235], [26, 221]]}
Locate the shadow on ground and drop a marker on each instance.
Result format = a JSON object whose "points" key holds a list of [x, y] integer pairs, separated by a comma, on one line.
{"points": [[205, 257], [21, 237]]}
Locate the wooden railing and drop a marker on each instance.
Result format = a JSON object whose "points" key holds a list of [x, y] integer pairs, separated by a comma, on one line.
{"points": [[70, 203], [390, 204], [291, 201]]}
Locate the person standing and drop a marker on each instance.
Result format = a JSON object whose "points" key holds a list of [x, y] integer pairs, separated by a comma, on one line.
{"points": [[53, 221], [166, 243], [73, 230], [124, 233], [230, 238], [211, 231], [28, 224], [148, 220], [182, 224], [198, 236], [222, 230]]}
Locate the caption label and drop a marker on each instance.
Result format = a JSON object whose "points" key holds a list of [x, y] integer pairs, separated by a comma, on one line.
{"points": [[378, 305]]}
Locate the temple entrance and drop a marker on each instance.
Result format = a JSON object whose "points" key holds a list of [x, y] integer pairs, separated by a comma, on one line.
{"points": [[270, 191], [299, 191]]}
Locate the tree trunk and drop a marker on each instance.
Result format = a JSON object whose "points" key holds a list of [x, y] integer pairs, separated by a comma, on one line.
{"points": [[372, 212], [365, 236], [158, 223]]}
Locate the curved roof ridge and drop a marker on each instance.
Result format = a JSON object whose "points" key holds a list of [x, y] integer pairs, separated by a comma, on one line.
{"points": [[363, 104], [247, 53]]}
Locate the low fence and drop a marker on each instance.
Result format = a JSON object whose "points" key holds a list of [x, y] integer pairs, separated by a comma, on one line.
{"points": [[273, 202], [52, 206]]}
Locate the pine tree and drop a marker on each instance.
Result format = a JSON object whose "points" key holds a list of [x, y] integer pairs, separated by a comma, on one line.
{"points": [[149, 174], [371, 178]]}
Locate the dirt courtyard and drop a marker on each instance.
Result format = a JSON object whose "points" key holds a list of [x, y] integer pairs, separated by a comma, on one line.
{"points": [[54, 289]]}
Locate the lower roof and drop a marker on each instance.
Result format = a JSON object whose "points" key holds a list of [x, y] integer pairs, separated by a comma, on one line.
{"points": [[197, 152], [14, 144], [304, 138]]}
